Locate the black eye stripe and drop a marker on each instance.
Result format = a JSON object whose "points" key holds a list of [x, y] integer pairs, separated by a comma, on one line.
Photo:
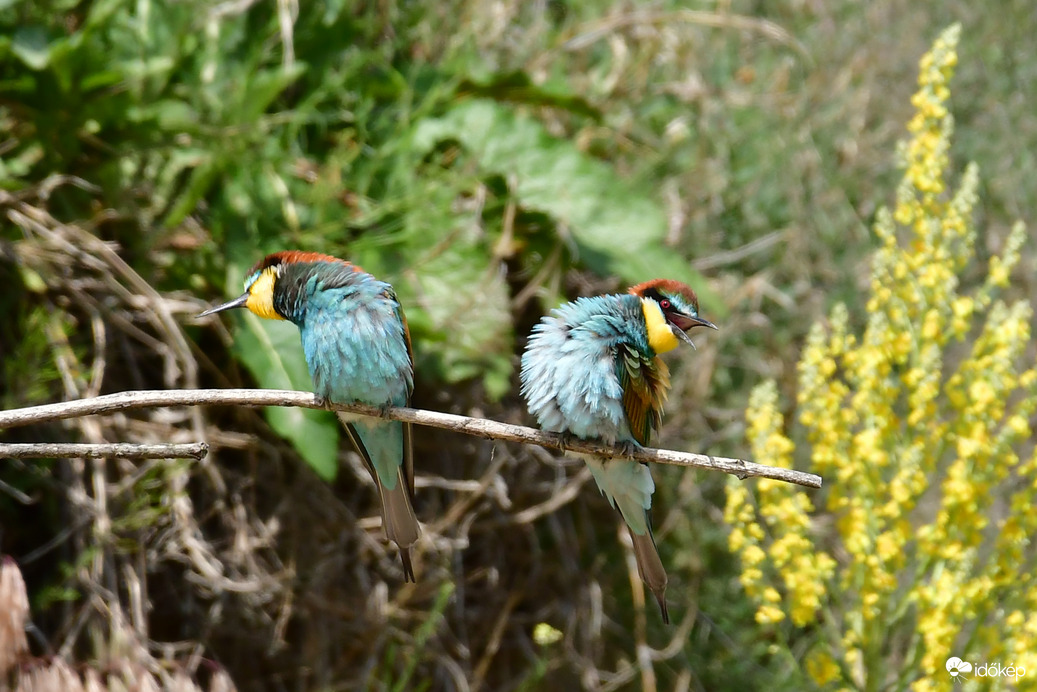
{"points": [[664, 303], [654, 295], [681, 302]]}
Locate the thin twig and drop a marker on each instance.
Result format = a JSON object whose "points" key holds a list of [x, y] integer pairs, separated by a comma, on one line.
{"points": [[493, 645], [477, 427], [126, 450], [602, 28], [564, 496]]}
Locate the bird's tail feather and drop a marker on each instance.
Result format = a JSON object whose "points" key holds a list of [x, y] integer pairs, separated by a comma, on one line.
{"points": [[401, 525], [379, 445], [650, 567]]}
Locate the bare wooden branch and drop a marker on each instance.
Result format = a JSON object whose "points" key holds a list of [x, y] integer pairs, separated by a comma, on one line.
{"points": [[478, 427], [46, 450]]}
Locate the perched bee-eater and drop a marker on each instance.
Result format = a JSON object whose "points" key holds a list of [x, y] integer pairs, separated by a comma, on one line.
{"points": [[592, 369], [358, 350]]}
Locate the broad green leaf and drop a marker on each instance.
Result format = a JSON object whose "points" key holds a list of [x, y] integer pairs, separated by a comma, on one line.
{"points": [[32, 46], [100, 12], [273, 354], [464, 298], [455, 296], [618, 227]]}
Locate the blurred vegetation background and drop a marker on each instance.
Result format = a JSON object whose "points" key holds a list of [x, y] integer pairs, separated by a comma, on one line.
{"points": [[490, 159]]}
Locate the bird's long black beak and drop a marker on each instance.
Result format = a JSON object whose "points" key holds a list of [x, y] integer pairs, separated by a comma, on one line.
{"points": [[699, 322], [238, 302], [691, 322], [679, 333]]}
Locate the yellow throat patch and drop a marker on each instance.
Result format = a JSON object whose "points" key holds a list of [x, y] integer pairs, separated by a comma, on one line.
{"points": [[261, 295], [660, 336]]}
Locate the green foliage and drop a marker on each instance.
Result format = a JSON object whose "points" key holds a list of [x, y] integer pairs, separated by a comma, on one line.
{"points": [[29, 375], [618, 229], [428, 628]]}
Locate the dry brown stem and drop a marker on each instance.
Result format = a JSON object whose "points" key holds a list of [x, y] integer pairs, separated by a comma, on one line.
{"points": [[125, 450], [478, 427]]}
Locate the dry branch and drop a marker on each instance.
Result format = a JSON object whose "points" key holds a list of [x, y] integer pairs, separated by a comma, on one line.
{"points": [[126, 450], [477, 427]]}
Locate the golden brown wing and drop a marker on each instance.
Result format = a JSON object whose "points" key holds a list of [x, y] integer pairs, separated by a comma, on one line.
{"points": [[645, 381]]}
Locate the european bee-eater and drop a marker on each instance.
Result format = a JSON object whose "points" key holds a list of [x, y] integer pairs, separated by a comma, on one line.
{"points": [[592, 369], [358, 350]]}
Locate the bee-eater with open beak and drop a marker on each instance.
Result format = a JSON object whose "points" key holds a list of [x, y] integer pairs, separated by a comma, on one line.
{"points": [[358, 350], [592, 369]]}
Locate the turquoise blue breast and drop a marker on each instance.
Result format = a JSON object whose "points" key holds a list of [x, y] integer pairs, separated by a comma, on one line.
{"points": [[353, 334], [569, 377]]}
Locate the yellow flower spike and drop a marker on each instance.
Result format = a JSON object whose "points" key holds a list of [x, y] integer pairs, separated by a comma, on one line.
{"points": [[769, 615], [822, 668], [753, 555], [736, 539], [931, 325], [999, 273], [962, 309], [892, 415], [852, 656], [1028, 379]]}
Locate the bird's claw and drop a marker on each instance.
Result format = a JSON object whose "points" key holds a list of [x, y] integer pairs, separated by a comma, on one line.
{"points": [[627, 448], [565, 441]]}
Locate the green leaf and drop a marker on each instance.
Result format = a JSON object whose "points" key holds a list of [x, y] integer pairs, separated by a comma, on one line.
{"points": [[100, 12], [100, 80], [172, 115], [456, 298], [32, 46], [461, 288], [264, 86], [199, 182], [273, 354], [617, 226], [144, 68]]}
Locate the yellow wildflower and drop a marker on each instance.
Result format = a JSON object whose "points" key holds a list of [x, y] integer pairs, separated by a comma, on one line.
{"points": [[822, 668], [769, 615], [914, 435]]}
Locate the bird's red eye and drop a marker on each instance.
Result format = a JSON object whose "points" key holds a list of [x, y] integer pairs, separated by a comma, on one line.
{"points": [[665, 304]]}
